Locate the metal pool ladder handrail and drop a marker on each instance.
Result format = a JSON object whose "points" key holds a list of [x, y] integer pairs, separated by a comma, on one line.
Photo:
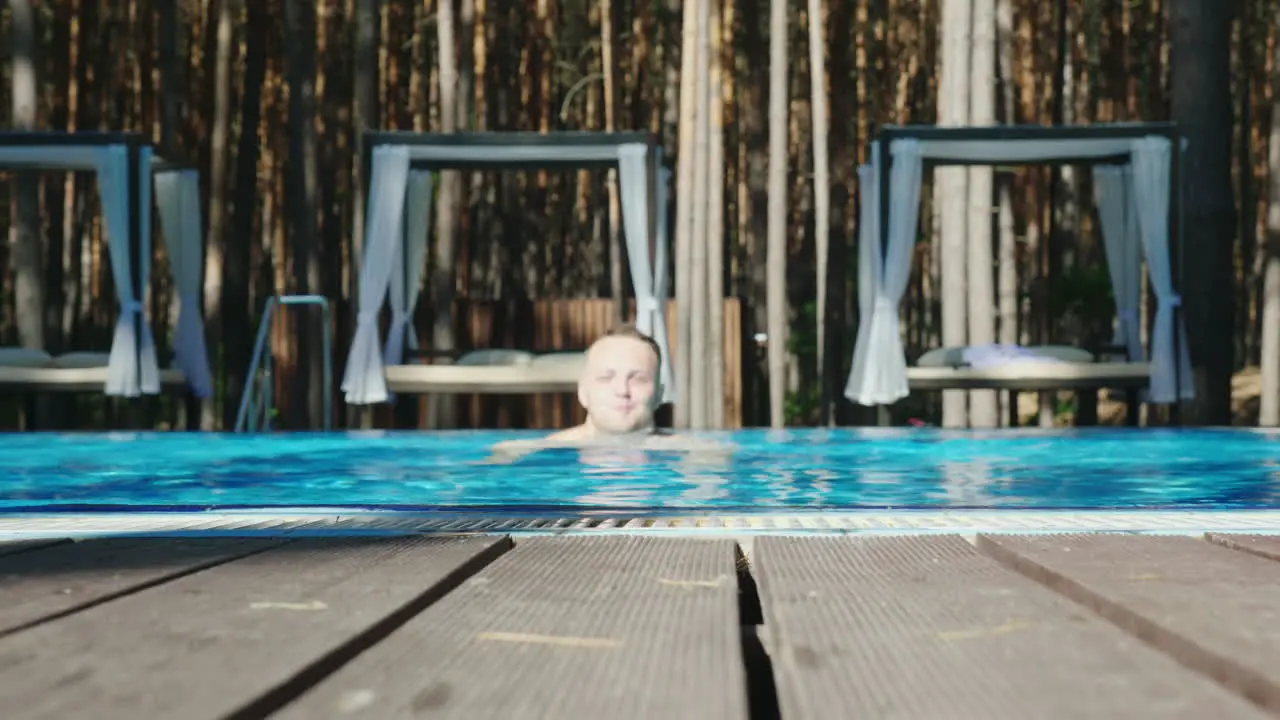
{"points": [[256, 407]]}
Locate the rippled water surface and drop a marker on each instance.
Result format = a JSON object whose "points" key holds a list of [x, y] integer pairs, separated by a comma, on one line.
{"points": [[769, 472]]}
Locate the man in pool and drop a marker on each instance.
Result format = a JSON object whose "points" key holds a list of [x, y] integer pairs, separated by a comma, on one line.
{"points": [[620, 388]]}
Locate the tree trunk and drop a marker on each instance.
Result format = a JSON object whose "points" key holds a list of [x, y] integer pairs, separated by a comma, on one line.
{"points": [[821, 199], [753, 203], [236, 290], [983, 409], [1200, 52], [171, 22], [685, 163], [951, 183], [27, 258], [616, 252], [302, 176], [364, 117], [216, 242], [776, 255], [1269, 409], [1007, 257], [443, 410], [715, 224], [697, 308]]}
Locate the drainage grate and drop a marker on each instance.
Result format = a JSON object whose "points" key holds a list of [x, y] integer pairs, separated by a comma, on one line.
{"points": [[305, 522]]}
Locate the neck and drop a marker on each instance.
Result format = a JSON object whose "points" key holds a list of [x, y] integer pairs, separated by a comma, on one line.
{"points": [[596, 432]]}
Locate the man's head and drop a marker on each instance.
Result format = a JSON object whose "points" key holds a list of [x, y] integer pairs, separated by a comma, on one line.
{"points": [[620, 386]]}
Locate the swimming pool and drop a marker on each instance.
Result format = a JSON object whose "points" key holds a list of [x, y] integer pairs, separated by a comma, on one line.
{"points": [[774, 472]]}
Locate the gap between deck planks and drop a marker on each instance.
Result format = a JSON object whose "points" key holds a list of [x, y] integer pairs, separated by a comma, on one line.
{"points": [[47, 580], [1213, 608], [1264, 546]]}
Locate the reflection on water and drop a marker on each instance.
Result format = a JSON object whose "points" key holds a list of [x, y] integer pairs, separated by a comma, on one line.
{"points": [[966, 483], [612, 478], [787, 470]]}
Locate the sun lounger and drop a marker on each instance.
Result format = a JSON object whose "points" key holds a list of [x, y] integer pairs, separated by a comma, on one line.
{"points": [[987, 355], [32, 370], [1032, 376], [1012, 367], [498, 372]]}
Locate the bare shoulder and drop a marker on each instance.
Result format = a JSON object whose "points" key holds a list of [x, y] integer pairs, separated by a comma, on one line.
{"points": [[571, 435], [513, 449]]}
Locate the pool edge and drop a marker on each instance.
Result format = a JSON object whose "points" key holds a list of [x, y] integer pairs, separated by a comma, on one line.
{"points": [[333, 521]]}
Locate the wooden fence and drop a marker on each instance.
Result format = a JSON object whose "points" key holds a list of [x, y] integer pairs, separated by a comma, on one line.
{"points": [[553, 326]]}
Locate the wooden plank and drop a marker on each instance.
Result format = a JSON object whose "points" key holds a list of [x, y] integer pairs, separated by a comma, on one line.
{"points": [[239, 637], [1267, 546], [47, 583], [10, 547], [924, 626], [565, 627], [1215, 610]]}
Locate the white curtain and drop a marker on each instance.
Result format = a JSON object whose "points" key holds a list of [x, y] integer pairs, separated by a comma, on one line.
{"points": [[405, 281], [150, 368], [364, 382], [178, 199], [1121, 238], [1151, 163], [870, 265], [648, 277], [881, 376], [662, 279], [124, 363]]}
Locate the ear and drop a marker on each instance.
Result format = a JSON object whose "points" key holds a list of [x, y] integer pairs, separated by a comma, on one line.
{"points": [[582, 395]]}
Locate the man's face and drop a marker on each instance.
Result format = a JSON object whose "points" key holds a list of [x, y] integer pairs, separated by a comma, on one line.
{"points": [[619, 386]]}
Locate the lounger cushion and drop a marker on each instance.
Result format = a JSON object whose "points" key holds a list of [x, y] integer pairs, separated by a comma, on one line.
{"points": [[24, 357], [954, 356], [497, 356], [82, 359], [560, 359]]}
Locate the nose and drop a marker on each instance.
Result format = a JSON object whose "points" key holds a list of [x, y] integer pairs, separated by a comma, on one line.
{"points": [[622, 387]]}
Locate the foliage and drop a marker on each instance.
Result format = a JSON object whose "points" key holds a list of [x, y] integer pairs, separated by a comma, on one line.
{"points": [[804, 403], [1082, 302]]}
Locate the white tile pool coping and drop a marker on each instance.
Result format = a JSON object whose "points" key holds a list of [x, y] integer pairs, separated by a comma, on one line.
{"points": [[339, 521]]}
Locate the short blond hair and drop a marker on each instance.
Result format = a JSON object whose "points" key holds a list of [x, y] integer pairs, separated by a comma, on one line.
{"points": [[627, 330]]}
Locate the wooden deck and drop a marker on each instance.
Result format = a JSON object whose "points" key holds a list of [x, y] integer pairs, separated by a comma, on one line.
{"points": [[634, 626]]}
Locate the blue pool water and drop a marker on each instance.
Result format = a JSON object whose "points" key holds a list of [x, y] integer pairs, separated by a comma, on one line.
{"points": [[784, 471]]}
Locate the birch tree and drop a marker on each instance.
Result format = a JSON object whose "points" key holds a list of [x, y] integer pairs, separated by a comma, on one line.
{"points": [[983, 409], [715, 223], [821, 195], [698, 248], [951, 183], [1269, 409], [684, 211], [776, 253], [443, 408], [28, 262], [610, 70]]}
